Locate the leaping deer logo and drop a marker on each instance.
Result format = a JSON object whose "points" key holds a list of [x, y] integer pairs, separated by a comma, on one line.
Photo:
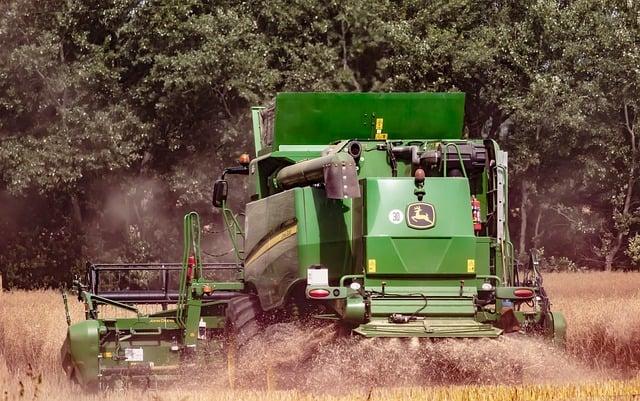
{"points": [[420, 215]]}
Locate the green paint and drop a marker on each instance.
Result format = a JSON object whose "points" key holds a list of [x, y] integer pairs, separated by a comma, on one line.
{"points": [[322, 118], [99, 351], [325, 241], [80, 352], [430, 328], [400, 251], [411, 245], [433, 267]]}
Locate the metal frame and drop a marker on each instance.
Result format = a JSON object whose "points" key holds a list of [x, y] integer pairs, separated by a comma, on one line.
{"points": [[162, 296]]}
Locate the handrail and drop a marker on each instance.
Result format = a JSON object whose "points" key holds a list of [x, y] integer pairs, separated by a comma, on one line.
{"points": [[157, 266], [163, 294], [507, 260], [457, 149], [349, 276], [190, 271], [489, 276], [233, 228]]}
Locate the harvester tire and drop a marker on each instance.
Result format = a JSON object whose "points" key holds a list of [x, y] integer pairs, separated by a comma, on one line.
{"points": [[242, 319]]}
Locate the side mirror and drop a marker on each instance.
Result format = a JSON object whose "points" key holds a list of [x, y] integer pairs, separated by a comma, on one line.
{"points": [[220, 188]]}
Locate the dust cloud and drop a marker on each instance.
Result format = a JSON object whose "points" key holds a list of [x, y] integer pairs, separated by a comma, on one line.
{"points": [[288, 356]]}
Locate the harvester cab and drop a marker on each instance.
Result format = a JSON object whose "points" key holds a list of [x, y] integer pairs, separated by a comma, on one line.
{"points": [[373, 208]]}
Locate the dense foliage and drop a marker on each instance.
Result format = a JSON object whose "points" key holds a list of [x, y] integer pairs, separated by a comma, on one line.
{"points": [[115, 116]]}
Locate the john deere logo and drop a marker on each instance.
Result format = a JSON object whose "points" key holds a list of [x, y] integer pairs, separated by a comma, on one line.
{"points": [[421, 215]]}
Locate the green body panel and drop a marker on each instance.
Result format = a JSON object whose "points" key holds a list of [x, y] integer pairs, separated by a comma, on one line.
{"points": [[276, 260], [431, 328], [482, 256], [322, 118], [558, 332], [345, 235], [325, 241], [193, 319], [342, 235], [458, 306], [405, 253], [80, 351], [271, 246], [147, 349], [146, 345], [255, 118]]}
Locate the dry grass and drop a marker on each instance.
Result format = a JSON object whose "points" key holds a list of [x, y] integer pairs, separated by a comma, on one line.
{"points": [[603, 314], [603, 310]]}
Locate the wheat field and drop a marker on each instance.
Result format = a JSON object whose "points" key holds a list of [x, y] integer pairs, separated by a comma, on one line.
{"points": [[601, 362]]}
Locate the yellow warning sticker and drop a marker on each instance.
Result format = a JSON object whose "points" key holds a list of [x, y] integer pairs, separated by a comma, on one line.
{"points": [[471, 265], [371, 268], [379, 123], [381, 136]]}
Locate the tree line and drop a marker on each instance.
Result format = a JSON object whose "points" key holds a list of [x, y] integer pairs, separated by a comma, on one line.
{"points": [[115, 116]]}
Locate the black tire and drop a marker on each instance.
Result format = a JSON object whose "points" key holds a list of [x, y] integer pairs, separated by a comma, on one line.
{"points": [[242, 319]]}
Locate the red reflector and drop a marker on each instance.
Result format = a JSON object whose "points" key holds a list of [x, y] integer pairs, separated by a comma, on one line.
{"points": [[318, 293], [523, 293]]}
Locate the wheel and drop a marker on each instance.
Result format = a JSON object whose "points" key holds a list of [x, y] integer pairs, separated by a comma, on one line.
{"points": [[242, 319], [241, 324]]}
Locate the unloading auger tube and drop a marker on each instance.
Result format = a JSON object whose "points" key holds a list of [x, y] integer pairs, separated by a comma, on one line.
{"points": [[337, 172]]}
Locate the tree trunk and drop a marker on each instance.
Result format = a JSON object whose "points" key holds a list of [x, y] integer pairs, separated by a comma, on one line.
{"points": [[537, 234], [77, 211], [345, 56], [610, 256], [608, 260]]}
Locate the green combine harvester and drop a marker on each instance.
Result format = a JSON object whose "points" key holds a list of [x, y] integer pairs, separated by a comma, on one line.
{"points": [[368, 210]]}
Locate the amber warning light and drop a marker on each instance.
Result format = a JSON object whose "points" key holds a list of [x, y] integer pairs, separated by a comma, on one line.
{"points": [[244, 159]]}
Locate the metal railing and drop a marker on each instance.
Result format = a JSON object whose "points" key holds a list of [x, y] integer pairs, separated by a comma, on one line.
{"points": [[164, 295]]}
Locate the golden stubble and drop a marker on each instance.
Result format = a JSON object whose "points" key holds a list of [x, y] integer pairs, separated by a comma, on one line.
{"points": [[290, 362]]}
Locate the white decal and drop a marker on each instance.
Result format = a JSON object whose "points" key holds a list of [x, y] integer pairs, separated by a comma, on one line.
{"points": [[317, 276], [396, 216], [134, 354]]}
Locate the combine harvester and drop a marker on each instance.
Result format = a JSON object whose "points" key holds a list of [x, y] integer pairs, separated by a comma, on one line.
{"points": [[368, 210]]}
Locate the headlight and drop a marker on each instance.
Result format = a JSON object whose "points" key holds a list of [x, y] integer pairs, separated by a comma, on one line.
{"points": [[355, 286], [487, 286]]}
